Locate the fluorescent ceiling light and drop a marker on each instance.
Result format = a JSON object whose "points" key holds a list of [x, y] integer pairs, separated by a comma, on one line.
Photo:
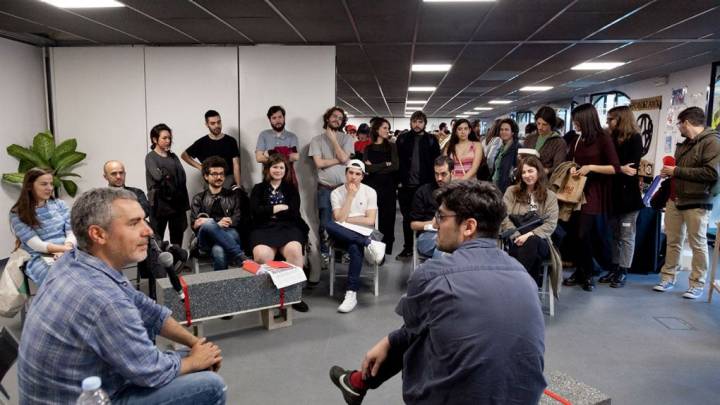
{"points": [[597, 65], [438, 67], [470, 112], [500, 102], [416, 102], [536, 88], [84, 3], [462, 116], [350, 116], [483, 108], [421, 88]]}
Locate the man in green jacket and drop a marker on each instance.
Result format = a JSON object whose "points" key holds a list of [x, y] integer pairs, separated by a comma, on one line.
{"points": [[695, 184]]}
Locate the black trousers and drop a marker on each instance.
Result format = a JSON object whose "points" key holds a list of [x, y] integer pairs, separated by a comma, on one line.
{"points": [[590, 244], [177, 223], [531, 255], [384, 186], [405, 198], [392, 365]]}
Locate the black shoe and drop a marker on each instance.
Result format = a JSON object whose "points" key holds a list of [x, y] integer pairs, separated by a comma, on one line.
{"points": [[405, 254], [382, 262], [619, 280], [607, 278], [588, 285], [341, 378], [572, 280], [301, 306]]}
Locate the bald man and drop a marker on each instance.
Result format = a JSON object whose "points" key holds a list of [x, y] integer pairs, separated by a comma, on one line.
{"points": [[114, 173]]}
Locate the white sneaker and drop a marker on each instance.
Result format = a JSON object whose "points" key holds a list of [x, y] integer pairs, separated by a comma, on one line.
{"points": [[349, 303], [693, 293], [375, 252]]}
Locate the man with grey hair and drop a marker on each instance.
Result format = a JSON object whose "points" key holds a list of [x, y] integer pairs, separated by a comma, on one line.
{"points": [[88, 320]]}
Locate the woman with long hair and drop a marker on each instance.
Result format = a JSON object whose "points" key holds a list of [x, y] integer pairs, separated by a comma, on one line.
{"points": [[167, 192], [506, 157], [382, 163], [466, 153], [547, 141], [491, 145], [529, 195], [41, 223], [627, 200], [594, 154]]}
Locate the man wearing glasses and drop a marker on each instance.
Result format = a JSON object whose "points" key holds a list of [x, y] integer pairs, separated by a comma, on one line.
{"points": [[215, 214], [472, 319]]}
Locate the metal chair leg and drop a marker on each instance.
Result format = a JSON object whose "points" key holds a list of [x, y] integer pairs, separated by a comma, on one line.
{"points": [[331, 267]]}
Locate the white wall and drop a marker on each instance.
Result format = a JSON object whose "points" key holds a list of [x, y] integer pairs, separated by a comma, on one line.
{"points": [[22, 115]]}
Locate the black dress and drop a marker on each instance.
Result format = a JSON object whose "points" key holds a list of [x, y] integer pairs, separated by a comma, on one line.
{"points": [[382, 174], [276, 230]]}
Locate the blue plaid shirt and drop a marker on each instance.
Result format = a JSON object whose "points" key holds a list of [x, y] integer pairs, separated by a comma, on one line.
{"points": [[87, 319]]}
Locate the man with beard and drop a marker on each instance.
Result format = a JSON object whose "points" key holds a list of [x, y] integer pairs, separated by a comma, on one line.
{"points": [[417, 151], [216, 143], [330, 151], [277, 140], [424, 207]]}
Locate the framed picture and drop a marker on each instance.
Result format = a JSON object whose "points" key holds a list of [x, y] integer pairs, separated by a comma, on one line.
{"points": [[713, 110]]}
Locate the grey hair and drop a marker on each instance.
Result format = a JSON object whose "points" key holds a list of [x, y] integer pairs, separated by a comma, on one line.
{"points": [[94, 207]]}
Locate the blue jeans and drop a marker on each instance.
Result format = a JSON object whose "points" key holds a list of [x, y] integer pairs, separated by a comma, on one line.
{"points": [[325, 214], [201, 388], [220, 242], [426, 244], [355, 244]]}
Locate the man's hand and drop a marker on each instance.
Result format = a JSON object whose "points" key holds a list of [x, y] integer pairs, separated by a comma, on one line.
{"points": [[520, 240], [628, 169], [225, 222], [204, 355], [199, 222], [667, 171], [375, 357], [330, 134], [352, 189]]}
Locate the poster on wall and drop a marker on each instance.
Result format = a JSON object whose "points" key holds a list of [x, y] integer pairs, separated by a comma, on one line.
{"points": [[647, 117]]}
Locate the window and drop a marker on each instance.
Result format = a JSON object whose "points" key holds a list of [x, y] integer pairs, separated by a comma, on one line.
{"points": [[603, 102]]}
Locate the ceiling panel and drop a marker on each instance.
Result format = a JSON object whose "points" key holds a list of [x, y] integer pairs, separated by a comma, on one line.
{"points": [[451, 21], [318, 20]]}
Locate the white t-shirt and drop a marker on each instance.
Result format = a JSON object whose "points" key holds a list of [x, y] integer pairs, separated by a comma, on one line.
{"points": [[365, 199]]}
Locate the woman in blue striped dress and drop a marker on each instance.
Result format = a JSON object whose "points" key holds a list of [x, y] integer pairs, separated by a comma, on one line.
{"points": [[41, 223]]}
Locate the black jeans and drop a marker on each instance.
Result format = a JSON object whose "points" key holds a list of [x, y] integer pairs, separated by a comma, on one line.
{"points": [[177, 222], [531, 255], [384, 186], [405, 198], [590, 244], [392, 365]]}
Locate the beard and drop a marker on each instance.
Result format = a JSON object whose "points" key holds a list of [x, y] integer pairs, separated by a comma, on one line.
{"points": [[216, 131], [278, 127]]}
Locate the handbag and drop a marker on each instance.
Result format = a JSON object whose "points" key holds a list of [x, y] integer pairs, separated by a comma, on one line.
{"points": [[519, 220], [572, 189]]}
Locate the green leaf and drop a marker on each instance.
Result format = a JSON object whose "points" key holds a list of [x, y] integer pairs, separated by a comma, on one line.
{"points": [[69, 160], [65, 147], [70, 187], [61, 175], [25, 165], [21, 153], [44, 145], [14, 178], [56, 182]]}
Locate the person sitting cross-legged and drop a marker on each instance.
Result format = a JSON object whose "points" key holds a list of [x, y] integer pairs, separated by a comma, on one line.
{"points": [[214, 214], [355, 204]]}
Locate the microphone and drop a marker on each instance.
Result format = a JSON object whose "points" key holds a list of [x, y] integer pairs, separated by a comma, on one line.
{"points": [[166, 260], [668, 160]]}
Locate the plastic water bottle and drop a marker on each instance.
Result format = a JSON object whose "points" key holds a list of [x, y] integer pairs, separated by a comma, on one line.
{"points": [[92, 393]]}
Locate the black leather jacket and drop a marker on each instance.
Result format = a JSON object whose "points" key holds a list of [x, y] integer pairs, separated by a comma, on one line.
{"points": [[202, 204]]}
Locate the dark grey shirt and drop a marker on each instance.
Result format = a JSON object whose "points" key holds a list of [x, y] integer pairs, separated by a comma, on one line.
{"points": [[414, 174], [474, 330]]}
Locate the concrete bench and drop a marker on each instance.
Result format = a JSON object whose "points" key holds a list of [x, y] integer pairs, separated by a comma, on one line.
{"points": [[230, 292], [576, 392]]}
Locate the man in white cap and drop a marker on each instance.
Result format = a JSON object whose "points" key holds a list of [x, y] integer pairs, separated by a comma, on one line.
{"points": [[354, 208]]}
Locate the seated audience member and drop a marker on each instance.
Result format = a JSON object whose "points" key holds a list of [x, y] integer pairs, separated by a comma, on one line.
{"points": [[114, 173], [363, 140], [424, 208], [466, 153], [278, 225], [88, 320], [215, 214], [463, 340], [277, 139], [506, 157], [546, 140], [531, 195], [41, 223], [354, 203]]}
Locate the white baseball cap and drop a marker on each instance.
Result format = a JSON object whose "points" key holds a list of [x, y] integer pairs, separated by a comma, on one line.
{"points": [[357, 163]]}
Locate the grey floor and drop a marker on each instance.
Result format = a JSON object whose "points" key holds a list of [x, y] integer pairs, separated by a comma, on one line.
{"points": [[636, 345]]}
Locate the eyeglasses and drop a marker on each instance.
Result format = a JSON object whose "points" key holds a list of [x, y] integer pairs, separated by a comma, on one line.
{"points": [[439, 217], [215, 174]]}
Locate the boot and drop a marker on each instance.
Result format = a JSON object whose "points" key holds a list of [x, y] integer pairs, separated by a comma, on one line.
{"points": [[610, 275], [619, 280]]}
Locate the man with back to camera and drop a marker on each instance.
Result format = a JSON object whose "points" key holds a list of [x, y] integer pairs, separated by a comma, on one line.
{"points": [[695, 185], [330, 151], [424, 207], [463, 341], [88, 320], [215, 143], [417, 151]]}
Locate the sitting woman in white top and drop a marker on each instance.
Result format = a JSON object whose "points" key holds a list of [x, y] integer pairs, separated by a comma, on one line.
{"points": [[354, 208], [526, 200], [41, 223]]}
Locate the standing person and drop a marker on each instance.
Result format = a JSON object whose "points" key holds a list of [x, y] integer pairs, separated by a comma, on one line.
{"points": [[352, 131], [547, 141], [215, 143], [167, 192], [595, 155], [627, 201], [277, 223], [88, 319], [41, 223], [473, 330], [695, 185], [442, 135], [466, 153], [531, 194], [476, 130], [277, 139], [417, 149], [506, 158], [491, 145], [330, 151], [381, 161], [363, 140]]}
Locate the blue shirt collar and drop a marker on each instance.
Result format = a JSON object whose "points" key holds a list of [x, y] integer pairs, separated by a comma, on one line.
{"points": [[94, 262]]}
